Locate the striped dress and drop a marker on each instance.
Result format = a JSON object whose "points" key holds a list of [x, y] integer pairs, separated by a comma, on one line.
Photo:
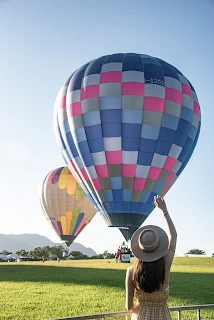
{"points": [[152, 306]]}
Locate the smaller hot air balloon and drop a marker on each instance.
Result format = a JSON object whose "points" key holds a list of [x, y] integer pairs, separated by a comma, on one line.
{"points": [[65, 205]]}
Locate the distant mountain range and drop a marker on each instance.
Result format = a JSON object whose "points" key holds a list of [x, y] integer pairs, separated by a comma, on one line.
{"points": [[14, 243]]}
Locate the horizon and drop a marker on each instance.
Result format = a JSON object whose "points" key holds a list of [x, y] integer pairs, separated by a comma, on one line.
{"points": [[76, 242]]}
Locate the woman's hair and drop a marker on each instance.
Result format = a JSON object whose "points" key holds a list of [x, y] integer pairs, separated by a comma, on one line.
{"points": [[149, 275]]}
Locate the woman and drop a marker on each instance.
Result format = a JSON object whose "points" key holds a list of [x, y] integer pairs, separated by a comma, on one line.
{"points": [[149, 278]]}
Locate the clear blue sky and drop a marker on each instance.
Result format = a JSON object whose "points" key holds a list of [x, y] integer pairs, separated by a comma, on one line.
{"points": [[42, 43]]}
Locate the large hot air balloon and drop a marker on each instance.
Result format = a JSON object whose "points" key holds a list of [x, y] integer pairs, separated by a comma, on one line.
{"points": [[127, 125], [65, 204]]}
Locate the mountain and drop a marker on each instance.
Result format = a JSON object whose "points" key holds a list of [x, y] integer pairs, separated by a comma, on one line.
{"points": [[14, 243]]}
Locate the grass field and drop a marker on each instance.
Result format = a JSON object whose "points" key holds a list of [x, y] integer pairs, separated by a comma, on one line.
{"points": [[50, 290]]}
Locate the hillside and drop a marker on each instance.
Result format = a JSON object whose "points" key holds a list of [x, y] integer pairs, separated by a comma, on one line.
{"points": [[13, 243]]}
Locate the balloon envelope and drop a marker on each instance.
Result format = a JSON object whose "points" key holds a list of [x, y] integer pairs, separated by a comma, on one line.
{"points": [[65, 204], [127, 125]]}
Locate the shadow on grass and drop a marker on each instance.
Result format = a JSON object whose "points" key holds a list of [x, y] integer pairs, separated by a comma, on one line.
{"points": [[66, 275], [197, 287]]}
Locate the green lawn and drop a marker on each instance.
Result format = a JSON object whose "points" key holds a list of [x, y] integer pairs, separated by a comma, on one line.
{"points": [[50, 290]]}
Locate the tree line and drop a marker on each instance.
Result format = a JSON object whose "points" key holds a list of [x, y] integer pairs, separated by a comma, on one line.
{"points": [[196, 251], [49, 253]]}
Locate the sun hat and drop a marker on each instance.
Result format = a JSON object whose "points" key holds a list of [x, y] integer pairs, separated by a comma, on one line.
{"points": [[149, 243]]}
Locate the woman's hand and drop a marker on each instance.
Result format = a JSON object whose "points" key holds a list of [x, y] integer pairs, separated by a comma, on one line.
{"points": [[160, 203]]}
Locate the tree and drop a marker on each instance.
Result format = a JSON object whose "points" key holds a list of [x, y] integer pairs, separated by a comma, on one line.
{"points": [[5, 252], [57, 251], [40, 253], [22, 253], [78, 255], [108, 255], [105, 254], [196, 251]]}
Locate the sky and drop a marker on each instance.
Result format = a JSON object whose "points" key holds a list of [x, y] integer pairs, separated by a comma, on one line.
{"points": [[42, 43]]}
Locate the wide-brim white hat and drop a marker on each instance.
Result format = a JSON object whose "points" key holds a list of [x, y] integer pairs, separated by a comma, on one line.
{"points": [[149, 243]]}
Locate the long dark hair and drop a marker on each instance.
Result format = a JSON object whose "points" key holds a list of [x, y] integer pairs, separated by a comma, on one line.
{"points": [[148, 276]]}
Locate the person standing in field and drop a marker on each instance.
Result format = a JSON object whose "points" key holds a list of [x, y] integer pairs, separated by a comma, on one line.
{"points": [[117, 254], [148, 279]]}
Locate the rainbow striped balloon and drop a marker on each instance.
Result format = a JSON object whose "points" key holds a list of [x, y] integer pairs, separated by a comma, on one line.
{"points": [[65, 204]]}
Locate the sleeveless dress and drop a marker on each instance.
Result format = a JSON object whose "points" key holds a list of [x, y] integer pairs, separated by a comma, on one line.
{"points": [[151, 306]]}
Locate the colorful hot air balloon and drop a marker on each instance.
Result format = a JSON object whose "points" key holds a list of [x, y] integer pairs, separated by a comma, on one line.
{"points": [[127, 125], [65, 205]]}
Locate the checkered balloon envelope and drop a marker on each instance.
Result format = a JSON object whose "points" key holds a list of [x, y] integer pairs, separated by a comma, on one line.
{"points": [[127, 125]]}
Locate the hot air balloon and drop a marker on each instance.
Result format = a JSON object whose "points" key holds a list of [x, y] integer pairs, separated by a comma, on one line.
{"points": [[66, 207], [127, 125]]}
